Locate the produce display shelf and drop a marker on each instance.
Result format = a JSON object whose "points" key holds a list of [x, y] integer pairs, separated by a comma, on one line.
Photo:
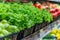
{"points": [[11, 36], [35, 35], [43, 32], [38, 34]]}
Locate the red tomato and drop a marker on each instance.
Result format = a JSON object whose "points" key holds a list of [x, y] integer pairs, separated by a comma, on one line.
{"points": [[56, 10], [52, 10], [55, 15], [58, 13], [38, 5]]}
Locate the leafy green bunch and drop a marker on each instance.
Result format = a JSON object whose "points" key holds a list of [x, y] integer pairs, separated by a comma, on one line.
{"points": [[23, 15], [47, 17]]}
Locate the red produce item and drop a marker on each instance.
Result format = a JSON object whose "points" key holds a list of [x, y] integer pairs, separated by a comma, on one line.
{"points": [[56, 10], [33, 4], [46, 7], [52, 10], [55, 15], [37, 5], [58, 13]]}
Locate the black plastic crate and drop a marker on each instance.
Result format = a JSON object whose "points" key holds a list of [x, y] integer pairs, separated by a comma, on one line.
{"points": [[25, 33], [39, 26]]}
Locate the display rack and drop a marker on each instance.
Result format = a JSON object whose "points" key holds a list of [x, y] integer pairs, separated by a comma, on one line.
{"points": [[43, 32]]}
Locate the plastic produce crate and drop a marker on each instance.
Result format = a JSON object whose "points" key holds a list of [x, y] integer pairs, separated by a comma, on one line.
{"points": [[9, 37], [25, 33], [18, 35], [39, 26]]}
